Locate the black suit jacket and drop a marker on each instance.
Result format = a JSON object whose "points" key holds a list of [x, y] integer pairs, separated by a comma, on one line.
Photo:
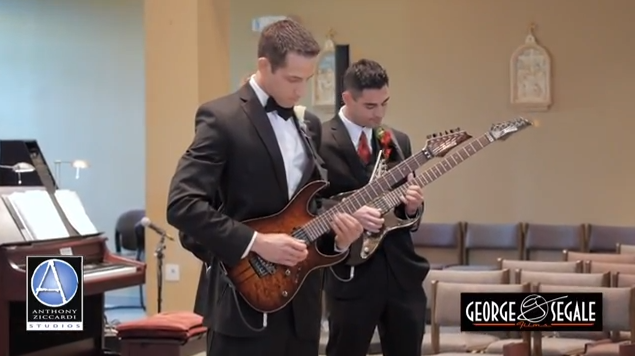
{"points": [[235, 153], [396, 253]]}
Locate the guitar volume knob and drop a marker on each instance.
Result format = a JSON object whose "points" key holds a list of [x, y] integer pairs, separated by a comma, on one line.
{"points": [[284, 293], [287, 272]]}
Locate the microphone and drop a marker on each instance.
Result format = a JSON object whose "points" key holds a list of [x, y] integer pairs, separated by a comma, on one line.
{"points": [[148, 224]]}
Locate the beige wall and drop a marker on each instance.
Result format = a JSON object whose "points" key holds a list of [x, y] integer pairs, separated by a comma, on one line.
{"points": [[449, 66]]}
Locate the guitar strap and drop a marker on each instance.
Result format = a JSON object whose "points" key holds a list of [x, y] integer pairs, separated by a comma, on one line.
{"points": [[299, 111], [398, 149], [402, 157]]}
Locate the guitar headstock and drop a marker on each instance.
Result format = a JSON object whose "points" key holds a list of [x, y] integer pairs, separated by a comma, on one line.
{"points": [[503, 130], [438, 144]]}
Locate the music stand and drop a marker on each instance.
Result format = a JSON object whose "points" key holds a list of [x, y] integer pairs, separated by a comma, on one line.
{"points": [[78, 164], [19, 169]]}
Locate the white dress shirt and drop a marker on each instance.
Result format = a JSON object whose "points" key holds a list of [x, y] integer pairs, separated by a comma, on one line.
{"points": [[291, 147], [355, 131]]}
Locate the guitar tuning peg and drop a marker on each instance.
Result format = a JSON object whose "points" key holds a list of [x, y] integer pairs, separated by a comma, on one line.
{"points": [[446, 132], [434, 135], [428, 137], [452, 131]]}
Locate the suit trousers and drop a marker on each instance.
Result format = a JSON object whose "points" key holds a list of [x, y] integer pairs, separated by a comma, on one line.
{"points": [[279, 341], [398, 314]]}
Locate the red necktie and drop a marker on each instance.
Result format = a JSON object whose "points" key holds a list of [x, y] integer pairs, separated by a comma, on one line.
{"points": [[363, 150]]}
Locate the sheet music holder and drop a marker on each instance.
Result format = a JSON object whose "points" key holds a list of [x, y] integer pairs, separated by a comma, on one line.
{"points": [[12, 231], [75, 212], [35, 211], [17, 218]]}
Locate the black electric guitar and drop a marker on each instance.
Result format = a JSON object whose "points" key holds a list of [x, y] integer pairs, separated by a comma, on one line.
{"points": [[366, 246]]}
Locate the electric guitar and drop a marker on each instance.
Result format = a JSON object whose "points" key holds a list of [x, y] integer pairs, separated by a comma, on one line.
{"points": [[268, 287], [362, 249]]}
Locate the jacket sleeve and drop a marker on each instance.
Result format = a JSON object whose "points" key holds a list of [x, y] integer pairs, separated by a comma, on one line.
{"points": [[197, 179], [400, 210]]}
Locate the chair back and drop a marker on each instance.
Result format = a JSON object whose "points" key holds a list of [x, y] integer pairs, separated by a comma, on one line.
{"points": [[129, 235]]}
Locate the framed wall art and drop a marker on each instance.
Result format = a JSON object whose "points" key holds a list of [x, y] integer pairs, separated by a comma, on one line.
{"points": [[530, 76]]}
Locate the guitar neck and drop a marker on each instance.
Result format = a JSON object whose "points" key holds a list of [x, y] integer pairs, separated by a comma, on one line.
{"points": [[322, 223], [392, 199]]}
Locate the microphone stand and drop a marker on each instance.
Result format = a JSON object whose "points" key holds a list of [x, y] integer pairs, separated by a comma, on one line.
{"points": [[158, 253]]}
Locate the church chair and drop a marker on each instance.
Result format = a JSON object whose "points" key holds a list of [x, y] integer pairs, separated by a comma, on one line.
{"points": [[604, 238], [485, 243], [439, 243], [546, 242], [445, 313], [614, 319], [539, 266], [130, 236]]}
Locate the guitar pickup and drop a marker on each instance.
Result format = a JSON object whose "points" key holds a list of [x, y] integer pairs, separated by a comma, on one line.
{"points": [[262, 267]]}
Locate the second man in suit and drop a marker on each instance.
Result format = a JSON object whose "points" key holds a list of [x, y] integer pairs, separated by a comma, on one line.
{"points": [[386, 291]]}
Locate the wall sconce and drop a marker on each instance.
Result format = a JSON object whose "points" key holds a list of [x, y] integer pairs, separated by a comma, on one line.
{"points": [[19, 169], [78, 164]]}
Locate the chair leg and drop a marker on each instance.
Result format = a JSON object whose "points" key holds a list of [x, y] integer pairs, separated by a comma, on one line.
{"points": [[141, 300]]}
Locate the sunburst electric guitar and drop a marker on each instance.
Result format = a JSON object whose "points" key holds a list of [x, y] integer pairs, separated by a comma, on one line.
{"points": [[267, 287], [367, 245]]}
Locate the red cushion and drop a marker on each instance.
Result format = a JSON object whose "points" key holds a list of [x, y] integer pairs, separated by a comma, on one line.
{"points": [[174, 325]]}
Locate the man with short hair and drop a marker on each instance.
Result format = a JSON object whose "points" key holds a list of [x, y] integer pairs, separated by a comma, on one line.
{"points": [[249, 147], [386, 291]]}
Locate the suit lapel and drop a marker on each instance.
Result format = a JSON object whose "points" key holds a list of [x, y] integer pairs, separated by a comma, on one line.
{"points": [[256, 113], [343, 140]]}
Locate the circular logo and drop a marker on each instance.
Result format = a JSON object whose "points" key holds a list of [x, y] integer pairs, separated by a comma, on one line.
{"points": [[533, 309], [54, 283]]}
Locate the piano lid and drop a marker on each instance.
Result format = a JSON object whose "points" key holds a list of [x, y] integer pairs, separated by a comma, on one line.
{"points": [[15, 151]]}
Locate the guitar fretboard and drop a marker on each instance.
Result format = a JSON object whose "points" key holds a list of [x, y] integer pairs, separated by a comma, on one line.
{"points": [[322, 224], [392, 199]]}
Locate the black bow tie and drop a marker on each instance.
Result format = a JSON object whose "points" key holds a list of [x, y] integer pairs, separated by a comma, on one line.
{"points": [[284, 113]]}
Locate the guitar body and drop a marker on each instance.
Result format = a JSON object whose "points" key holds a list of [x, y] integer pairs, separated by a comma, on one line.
{"points": [[267, 287], [363, 248], [367, 245]]}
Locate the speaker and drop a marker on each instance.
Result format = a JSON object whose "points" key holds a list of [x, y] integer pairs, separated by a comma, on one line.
{"points": [[342, 61]]}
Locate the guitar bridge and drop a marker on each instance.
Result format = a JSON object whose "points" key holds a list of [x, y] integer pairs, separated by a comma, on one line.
{"points": [[261, 267]]}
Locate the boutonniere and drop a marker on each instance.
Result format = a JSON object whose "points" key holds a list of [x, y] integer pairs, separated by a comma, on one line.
{"points": [[385, 140], [299, 111]]}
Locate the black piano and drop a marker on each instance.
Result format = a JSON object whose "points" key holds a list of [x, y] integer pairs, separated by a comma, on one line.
{"points": [[103, 271]]}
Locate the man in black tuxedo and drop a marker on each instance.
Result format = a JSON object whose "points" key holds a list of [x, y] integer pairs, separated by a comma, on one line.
{"points": [[250, 148], [386, 291]]}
